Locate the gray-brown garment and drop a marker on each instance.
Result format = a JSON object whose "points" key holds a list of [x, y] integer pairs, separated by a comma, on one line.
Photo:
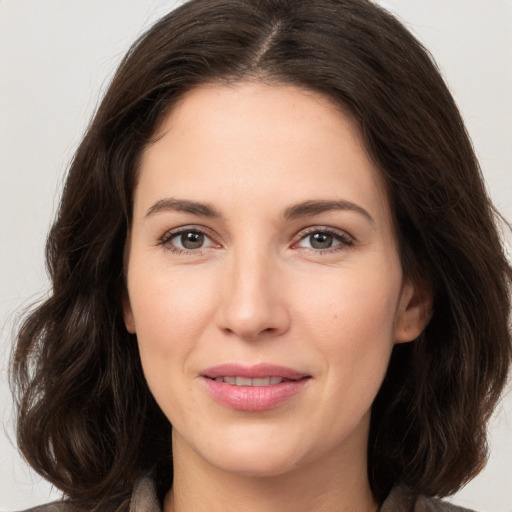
{"points": [[402, 499], [144, 499]]}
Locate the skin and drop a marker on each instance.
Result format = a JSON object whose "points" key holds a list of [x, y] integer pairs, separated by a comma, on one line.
{"points": [[259, 289]]}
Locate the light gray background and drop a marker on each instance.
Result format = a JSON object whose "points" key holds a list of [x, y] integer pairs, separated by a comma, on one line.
{"points": [[55, 58]]}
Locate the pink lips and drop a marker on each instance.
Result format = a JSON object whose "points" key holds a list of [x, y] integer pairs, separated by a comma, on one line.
{"points": [[253, 397]]}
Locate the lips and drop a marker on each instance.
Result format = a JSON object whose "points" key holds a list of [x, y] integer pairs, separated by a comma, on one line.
{"points": [[253, 388], [259, 371], [245, 381]]}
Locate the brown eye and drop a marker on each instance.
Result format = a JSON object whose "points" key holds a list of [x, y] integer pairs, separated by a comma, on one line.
{"points": [[321, 240], [187, 240], [325, 240], [191, 240]]}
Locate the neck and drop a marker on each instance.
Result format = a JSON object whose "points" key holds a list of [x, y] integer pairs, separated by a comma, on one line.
{"points": [[328, 485]]}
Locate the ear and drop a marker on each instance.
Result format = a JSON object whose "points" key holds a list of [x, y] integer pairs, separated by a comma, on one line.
{"points": [[414, 311], [129, 320]]}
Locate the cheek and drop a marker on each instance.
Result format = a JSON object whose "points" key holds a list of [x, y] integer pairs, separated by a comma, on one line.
{"points": [[169, 315], [170, 311], [357, 301], [352, 320], [168, 304]]}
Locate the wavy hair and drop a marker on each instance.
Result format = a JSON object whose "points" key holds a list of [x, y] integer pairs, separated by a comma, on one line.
{"points": [[86, 419]]}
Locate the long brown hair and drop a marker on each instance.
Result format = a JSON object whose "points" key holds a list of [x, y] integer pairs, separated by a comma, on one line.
{"points": [[87, 421]]}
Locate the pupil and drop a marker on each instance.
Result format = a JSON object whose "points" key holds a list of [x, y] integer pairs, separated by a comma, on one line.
{"points": [[192, 240], [321, 241]]}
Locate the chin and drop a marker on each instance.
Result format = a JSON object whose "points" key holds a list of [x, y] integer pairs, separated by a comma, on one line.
{"points": [[256, 465], [252, 455]]}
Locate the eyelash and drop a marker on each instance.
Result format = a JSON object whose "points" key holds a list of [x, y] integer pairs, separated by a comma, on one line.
{"points": [[345, 240], [165, 240]]}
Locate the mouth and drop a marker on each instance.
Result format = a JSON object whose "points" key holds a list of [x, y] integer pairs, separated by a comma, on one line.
{"points": [[261, 370], [245, 381], [253, 388]]}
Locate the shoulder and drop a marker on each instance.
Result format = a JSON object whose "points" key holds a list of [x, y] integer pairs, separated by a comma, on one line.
{"points": [[403, 499], [55, 506], [143, 499]]}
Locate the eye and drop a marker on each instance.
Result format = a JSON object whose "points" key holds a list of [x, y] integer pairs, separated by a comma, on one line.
{"points": [[324, 240], [187, 240], [321, 241]]}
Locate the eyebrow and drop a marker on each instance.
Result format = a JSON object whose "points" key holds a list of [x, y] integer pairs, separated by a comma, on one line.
{"points": [[315, 207], [182, 205], [304, 209]]}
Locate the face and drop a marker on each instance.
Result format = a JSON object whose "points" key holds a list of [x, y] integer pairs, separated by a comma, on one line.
{"points": [[263, 278]]}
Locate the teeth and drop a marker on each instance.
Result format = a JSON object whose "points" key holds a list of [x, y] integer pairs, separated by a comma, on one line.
{"points": [[244, 381], [261, 382]]}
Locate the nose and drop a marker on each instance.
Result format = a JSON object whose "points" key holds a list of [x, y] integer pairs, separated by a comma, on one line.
{"points": [[253, 298]]}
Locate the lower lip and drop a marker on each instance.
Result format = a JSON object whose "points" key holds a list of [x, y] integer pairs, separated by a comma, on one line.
{"points": [[253, 398]]}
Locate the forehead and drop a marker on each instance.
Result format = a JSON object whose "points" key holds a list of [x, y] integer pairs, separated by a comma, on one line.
{"points": [[252, 109], [254, 139]]}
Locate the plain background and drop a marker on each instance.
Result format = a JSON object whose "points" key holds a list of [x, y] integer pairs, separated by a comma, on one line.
{"points": [[56, 56]]}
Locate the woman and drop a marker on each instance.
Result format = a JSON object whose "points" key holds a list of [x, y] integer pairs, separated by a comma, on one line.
{"points": [[274, 237]]}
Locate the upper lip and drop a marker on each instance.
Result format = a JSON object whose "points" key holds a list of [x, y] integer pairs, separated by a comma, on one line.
{"points": [[257, 371]]}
